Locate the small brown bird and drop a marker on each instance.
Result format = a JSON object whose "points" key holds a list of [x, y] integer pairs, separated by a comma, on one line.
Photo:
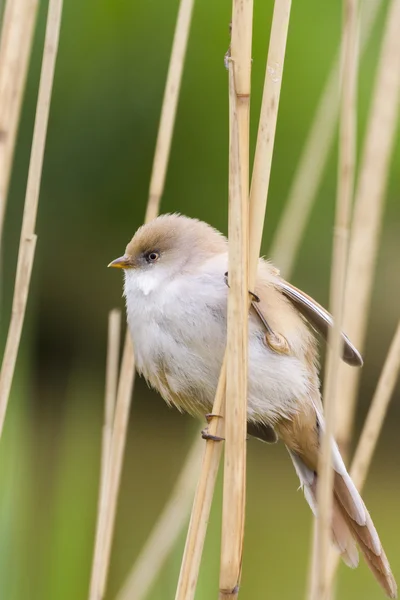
{"points": [[176, 298]]}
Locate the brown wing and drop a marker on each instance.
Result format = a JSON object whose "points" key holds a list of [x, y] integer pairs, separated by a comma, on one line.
{"points": [[319, 318]]}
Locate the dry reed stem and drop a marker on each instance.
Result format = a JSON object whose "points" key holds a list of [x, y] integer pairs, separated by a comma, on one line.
{"points": [[15, 49], [104, 533], [203, 498], [190, 566], [266, 129], [166, 530], [307, 178], [28, 237], [114, 470], [234, 489], [113, 344], [168, 111], [373, 424], [347, 144], [368, 212]]}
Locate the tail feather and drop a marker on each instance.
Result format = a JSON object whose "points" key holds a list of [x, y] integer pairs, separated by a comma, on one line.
{"points": [[376, 561], [351, 521], [360, 524], [341, 535], [343, 538]]}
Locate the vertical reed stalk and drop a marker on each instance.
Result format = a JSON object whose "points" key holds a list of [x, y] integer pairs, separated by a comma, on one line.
{"points": [[104, 533], [203, 498], [196, 534], [15, 49], [368, 212], [113, 473], [307, 178], [28, 237], [347, 144], [113, 344], [266, 130], [373, 425], [168, 111], [234, 495]]}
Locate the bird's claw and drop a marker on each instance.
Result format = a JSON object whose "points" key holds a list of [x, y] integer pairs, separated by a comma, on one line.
{"points": [[254, 296], [208, 436], [211, 416]]}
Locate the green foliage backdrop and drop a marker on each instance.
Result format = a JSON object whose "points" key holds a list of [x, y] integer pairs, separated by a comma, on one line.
{"points": [[106, 103]]}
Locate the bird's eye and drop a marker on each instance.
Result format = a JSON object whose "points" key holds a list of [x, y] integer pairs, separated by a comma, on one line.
{"points": [[152, 257]]}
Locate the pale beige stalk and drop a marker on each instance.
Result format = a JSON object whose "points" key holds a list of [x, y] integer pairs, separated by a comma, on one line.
{"points": [[113, 346], [104, 534], [168, 111], [113, 473], [368, 211], [166, 530], [310, 169], [267, 127], [196, 534], [234, 490], [15, 49], [373, 424], [204, 493], [376, 414], [28, 236], [347, 154]]}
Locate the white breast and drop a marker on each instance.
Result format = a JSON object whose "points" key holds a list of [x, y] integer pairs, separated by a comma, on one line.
{"points": [[181, 325]]}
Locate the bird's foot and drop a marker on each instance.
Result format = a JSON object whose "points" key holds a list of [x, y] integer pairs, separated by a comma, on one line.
{"points": [[254, 296], [208, 436], [211, 416]]}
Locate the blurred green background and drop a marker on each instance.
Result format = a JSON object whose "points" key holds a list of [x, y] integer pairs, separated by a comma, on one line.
{"points": [[109, 83]]}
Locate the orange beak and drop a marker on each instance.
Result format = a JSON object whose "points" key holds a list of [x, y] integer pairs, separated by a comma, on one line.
{"points": [[120, 263]]}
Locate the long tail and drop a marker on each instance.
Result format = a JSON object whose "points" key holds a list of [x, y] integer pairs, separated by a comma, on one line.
{"points": [[351, 521]]}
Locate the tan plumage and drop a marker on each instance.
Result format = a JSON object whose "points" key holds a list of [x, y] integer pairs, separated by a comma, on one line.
{"points": [[176, 299]]}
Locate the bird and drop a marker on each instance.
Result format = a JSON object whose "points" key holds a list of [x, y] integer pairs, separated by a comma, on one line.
{"points": [[175, 288]]}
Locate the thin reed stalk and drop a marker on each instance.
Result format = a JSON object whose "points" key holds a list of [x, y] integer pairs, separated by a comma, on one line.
{"points": [[104, 533], [15, 49], [28, 237], [113, 344], [373, 425], [311, 166], [113, 471], [168, 111], [234, 492], [259, 192], [191, 560], [166, 530], [368, 211], [347, 145]]}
